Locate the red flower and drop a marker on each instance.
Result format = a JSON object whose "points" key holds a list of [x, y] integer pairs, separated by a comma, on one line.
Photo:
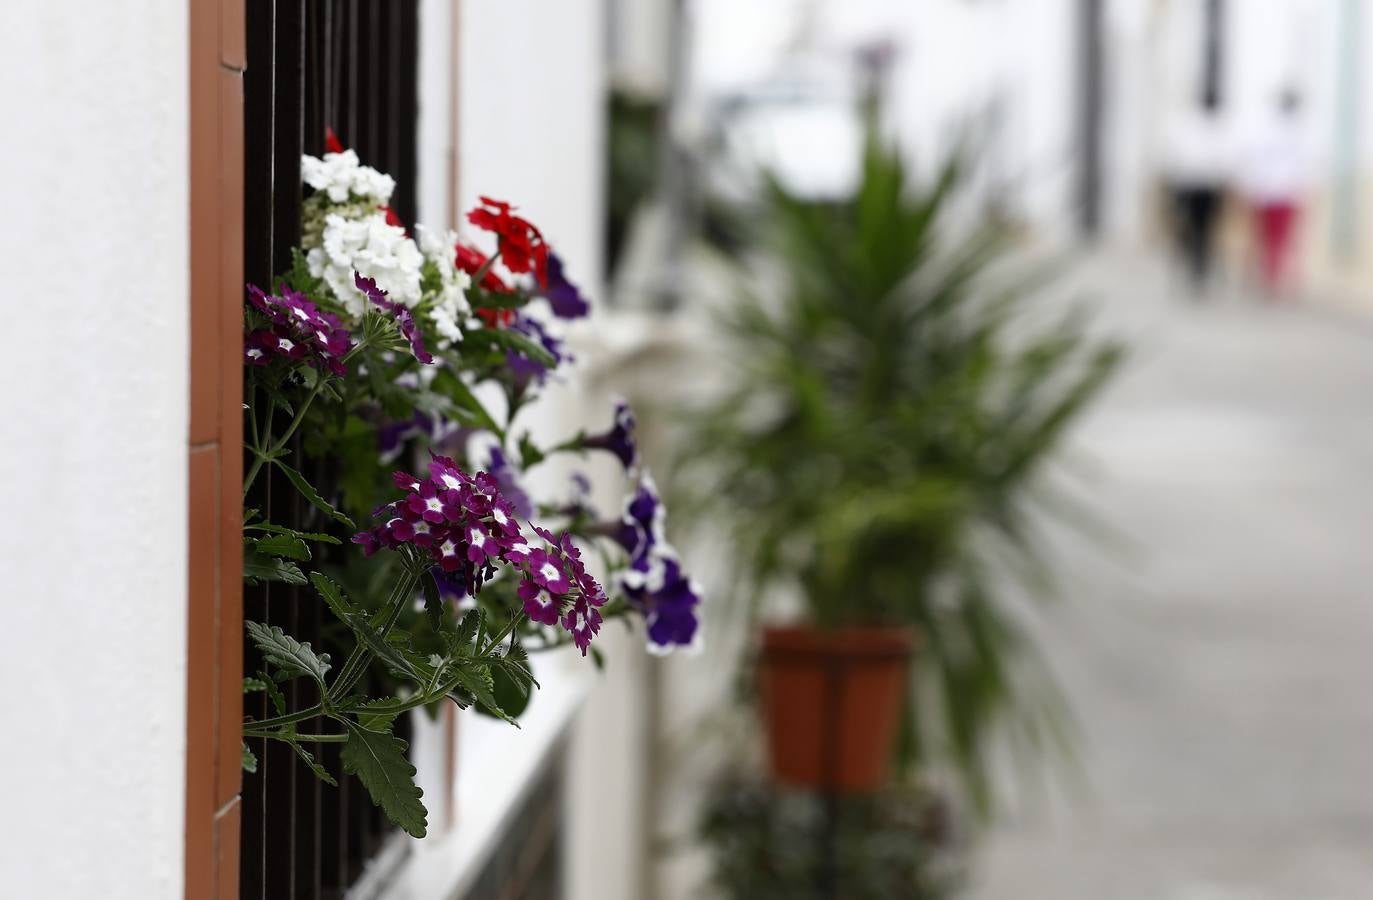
{"points": [[521, 246], [393, 219], [331, 142], [471, 260]]}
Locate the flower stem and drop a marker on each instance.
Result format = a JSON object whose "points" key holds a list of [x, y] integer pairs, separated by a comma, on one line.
{"points": [[295, 736], [278, 721], [358, 659], [505, 632]]}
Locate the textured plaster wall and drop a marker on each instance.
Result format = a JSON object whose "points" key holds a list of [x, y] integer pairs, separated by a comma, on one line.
{"points": [[93, 400]]}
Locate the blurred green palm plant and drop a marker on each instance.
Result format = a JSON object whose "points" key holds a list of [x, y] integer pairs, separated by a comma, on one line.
{"points": [[892, 410]]}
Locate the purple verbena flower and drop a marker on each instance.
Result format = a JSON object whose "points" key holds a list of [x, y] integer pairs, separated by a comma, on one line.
{"points": [[467, 526], [546, 572], [619, 440], [540, 605], [299, 331], [582, 621]]}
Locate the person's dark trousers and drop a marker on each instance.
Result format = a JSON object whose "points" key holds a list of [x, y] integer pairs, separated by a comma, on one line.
{"points": [[1196, 208]]}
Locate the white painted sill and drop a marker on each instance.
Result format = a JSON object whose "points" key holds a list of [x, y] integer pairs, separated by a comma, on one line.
{"points": [[496, 764]]}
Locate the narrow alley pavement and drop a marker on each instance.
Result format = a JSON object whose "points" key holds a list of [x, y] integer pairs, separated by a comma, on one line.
{"points": [[1220, 664]]}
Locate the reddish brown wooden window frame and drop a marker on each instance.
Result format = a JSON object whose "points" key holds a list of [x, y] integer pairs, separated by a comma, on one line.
{"points": [[215, 612]]}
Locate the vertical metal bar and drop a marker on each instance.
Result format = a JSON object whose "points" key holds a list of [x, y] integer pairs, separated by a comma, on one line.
{"points": [[258, 83], [404, 65]]}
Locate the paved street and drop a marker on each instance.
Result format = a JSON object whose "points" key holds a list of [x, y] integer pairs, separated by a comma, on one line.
{"points": [[1220, 664]]}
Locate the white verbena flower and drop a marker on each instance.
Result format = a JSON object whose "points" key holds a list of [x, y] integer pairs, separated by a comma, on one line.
{"points": [[370, 248], [450, 307], [340, 175]]}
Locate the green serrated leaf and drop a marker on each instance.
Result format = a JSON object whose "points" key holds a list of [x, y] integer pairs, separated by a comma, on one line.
{"points": [[334, 596], [249, 760], [477, 681], [258, 567], [378, 760], [311, 495], [275, 695], [303, 535], [250, 685], [378, 715], [433, 603], [309, 759], [286, 653], [461, 641], [285, 545]]}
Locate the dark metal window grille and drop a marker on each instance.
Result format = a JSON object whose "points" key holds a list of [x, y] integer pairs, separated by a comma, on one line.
{"points": [[349, 65]]}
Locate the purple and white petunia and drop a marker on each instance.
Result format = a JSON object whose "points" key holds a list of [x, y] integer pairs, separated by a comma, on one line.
{"points": [[619, 440], [567, 301]]}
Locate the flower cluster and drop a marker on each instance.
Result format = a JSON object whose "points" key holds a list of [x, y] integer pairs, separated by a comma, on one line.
{"points": [[520, 244], [450, 308], [369, 247], [299, 330], [470, 529], [342, 178], [654, 582]]}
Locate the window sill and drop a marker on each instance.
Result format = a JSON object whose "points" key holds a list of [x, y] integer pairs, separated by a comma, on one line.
{"points": [[496, 764]]}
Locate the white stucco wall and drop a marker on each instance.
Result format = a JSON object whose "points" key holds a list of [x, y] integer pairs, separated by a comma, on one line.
{"points": [[93, 449]]}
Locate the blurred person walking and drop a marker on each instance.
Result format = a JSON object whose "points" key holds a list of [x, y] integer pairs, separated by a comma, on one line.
{"points": [[1273, 178], [1196, 162]]}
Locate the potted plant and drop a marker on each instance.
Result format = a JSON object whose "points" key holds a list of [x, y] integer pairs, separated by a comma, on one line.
{"points": [[889, 416]]}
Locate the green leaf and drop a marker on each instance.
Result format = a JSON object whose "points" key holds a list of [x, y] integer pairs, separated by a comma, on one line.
{"points": [[251, 685], [249, 760], [312, 495], [477, 681], [286, 653], [303, 535], [450, 385], [280, 545], [378, 715], [334, 596], [309, 759], [275, 695], [504, 339], [257, 567], [433, 603], [378, 760]]}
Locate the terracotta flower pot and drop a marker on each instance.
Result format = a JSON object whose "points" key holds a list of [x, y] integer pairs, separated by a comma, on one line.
{"points": [[832, 703]]}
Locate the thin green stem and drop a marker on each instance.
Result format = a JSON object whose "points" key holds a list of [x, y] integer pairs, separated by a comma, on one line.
{"points": [[292, 736], [505, 632], [287, 719], [358, 659]]}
